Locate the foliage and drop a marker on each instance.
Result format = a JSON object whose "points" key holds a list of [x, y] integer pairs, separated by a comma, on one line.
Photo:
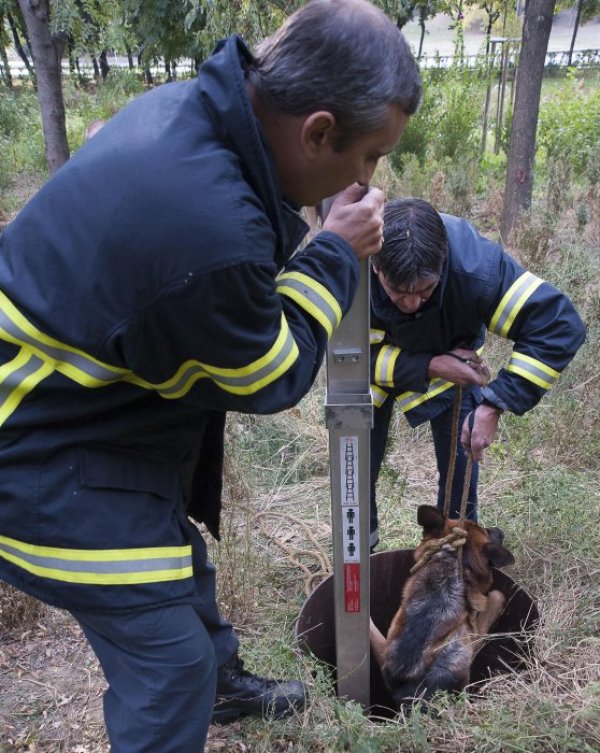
{"points": [[569, 124], [447, 124]]}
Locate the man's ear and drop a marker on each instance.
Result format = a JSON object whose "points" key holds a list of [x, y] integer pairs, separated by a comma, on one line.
{"points": [[318, 131]]}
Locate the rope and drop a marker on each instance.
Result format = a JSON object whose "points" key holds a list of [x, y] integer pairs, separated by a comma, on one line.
{"points": [[453, 449], [458, 538], [324, 568]]}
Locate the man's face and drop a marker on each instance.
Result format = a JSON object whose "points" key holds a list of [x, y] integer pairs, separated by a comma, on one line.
{"points": [[336, 170], [411, 298]]}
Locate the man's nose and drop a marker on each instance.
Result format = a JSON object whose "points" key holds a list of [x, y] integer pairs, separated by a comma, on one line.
{"points": [[410, 303]]}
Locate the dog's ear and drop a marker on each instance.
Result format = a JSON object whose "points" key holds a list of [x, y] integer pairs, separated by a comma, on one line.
{"points": [[497, 555], [496, 535], [431, 519]]}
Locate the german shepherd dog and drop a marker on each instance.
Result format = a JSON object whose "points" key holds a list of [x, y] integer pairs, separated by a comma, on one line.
{"points": [[443, 616]]}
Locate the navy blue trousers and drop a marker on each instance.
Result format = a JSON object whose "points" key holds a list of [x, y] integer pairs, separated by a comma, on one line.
{"points": [[441, 429], [161, 667]]}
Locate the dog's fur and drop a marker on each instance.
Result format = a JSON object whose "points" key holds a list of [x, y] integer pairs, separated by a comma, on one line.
{"points": [[443, 617]]}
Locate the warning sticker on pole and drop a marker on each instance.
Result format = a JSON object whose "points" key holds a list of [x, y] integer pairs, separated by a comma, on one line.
{"points": [[352, 588], [349, 470]]}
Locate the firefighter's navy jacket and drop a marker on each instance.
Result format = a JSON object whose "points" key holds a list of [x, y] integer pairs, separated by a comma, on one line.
{"points": [[481, 288], [145, 290]]}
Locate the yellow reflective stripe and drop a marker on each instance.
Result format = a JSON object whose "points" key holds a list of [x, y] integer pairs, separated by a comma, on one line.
{"points": [[512, 302], [17, 378], [73, 363], [409, 400], [533, 370], [241, 381], [100, 567], [378, 396], [313, 297], [91, 373], [385, 364], [376, 336]]}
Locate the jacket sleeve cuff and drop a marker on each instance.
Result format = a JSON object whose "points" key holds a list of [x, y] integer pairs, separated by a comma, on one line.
{"points": [[489, 397]]}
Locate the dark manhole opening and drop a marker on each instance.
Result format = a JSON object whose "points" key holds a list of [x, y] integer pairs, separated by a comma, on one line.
{"points": [[508, 646]]}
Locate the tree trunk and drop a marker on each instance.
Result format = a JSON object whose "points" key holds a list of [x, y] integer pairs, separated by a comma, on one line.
{"points": [[104, 65], [575, 30], [5, 73], [537, 25], [19, 47], [47, 66], [422, 38]]}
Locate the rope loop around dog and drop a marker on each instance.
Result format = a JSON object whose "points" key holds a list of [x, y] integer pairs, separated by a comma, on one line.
{"points": [[458, 538]]}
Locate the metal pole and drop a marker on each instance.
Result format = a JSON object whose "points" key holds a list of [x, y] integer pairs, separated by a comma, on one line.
{"points": [[349, 415]]}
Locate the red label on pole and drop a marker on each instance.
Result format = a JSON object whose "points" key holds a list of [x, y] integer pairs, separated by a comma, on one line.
{"points": [[352, 587]]}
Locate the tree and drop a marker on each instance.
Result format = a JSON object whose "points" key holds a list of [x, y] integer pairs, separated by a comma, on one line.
{"points": [[47, 54], [537, 24], [586, 10]]}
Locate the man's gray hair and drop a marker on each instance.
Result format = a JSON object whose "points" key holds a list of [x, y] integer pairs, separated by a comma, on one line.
{"points": [[343, 56]]}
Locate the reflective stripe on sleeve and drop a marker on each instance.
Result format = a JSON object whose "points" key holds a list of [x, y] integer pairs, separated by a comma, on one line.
{"points": [[512, 302], [533, 370], [313, 297], [409, 400], [385, 364], [378, 395], [241, 381], [103, 567], [376, 336], [17, 378], [40, 355]]}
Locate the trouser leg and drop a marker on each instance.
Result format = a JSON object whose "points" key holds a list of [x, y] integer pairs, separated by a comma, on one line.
{"points": [[160, 665], [224, 640], [379, 435], [442, 428], [161, 673]]}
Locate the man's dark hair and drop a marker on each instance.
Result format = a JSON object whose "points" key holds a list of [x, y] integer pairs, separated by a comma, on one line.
{"points": [[415, 243], [343, 56]]}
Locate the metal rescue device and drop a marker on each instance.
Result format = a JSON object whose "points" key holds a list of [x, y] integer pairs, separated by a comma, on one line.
{"points": [[349, 418]]}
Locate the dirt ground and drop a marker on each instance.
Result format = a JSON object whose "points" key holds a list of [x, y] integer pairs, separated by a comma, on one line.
{"points": [[51, 691]]}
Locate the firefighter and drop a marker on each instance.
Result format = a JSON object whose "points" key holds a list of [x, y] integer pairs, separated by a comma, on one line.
{"points": [[437, 286], [147, 289]]}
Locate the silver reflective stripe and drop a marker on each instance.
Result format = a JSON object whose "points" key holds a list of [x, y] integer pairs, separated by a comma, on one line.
{"points": [[89, 372], [378, 396], [533, 370], [409, 400], [102, 566], [313, 297], [99, 566], [79, 361], [512, 303], [385, 364], [244, 380], [17, 378]]}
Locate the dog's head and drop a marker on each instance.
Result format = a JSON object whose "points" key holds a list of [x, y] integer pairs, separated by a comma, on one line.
{"points": [[483, 549]]}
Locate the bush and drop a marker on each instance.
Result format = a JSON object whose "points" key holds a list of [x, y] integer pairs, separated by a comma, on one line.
{"points": [[17, 111], [569, 124], [120, 87], [447, 125]]}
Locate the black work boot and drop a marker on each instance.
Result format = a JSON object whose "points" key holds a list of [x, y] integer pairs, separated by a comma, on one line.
{"points": [[240, 693]]}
